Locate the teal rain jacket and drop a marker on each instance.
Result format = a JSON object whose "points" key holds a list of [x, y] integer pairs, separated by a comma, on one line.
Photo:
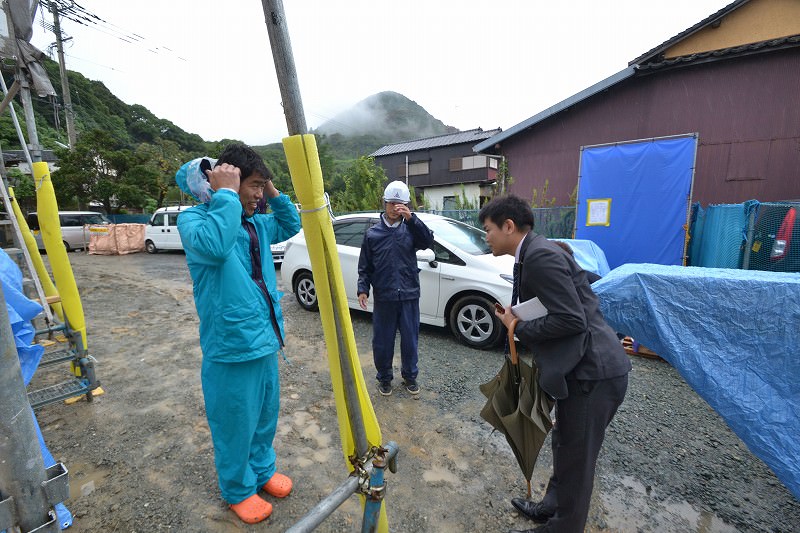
{"points": [[234, 317]]}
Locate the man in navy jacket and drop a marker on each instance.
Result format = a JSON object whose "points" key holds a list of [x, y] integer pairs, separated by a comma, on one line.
{"points": [[388, 263]]}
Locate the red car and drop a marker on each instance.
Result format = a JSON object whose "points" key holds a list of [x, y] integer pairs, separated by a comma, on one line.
{"points": [[776, 239]]}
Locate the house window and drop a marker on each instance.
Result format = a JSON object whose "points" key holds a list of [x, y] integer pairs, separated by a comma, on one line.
{"points": [[470, 162], [417, 168], [448, 203]]}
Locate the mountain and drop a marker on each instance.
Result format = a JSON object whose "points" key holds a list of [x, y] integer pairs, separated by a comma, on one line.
{"points": [[97, 108], [380, 119], [387, 115]]}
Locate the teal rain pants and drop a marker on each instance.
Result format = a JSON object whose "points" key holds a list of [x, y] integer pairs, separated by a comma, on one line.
{"points": [[242, 402]]}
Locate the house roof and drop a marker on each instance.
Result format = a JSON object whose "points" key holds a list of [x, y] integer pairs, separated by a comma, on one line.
{"points": [[652, 54], [18, 156], [562, 105], [713, 55], [650, 60], [461, 137]]}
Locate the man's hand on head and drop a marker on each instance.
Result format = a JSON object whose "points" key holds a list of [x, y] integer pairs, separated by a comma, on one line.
{"points": [[270, 191], [224, 176]]}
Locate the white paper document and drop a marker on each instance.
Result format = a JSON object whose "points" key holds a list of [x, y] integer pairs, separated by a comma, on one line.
{"points": [[529, 309]]}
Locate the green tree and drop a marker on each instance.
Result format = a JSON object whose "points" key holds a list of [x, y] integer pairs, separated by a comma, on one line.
{"points": [[418, 204], [462, 202], [156, 165], [24, 189], [364, 182], [504, 179], [573, 196], [101, 169], [539, 197]]}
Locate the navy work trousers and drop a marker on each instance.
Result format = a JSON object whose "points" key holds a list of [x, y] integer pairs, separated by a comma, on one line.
{"points": [[387, 318]]}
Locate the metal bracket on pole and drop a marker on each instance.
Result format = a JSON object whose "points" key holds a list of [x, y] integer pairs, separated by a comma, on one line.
{"points": [[326, 507]]}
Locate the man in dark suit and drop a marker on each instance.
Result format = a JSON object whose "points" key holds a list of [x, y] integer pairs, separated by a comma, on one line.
{"points": [[580, 360]]}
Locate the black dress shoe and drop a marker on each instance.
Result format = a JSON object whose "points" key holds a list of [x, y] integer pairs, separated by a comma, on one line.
{"points": [[535, 511]]}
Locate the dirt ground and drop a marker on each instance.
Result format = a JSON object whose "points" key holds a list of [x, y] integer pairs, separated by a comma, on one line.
{"points": [[140, 456]]}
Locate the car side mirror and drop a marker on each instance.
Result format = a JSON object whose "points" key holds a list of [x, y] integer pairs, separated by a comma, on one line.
{"points": [[426, 256]]}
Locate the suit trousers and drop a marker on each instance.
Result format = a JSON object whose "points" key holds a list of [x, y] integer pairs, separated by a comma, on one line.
{"points": [[387, 318], [581, 421]]}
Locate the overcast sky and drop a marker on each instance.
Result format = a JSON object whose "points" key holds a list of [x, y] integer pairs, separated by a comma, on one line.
{"points": [[206, 65]]}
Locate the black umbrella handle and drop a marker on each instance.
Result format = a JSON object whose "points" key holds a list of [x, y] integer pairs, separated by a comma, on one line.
{"points": [[512, 346]]}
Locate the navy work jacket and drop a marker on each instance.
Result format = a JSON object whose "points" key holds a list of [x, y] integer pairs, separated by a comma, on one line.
{"points": [[388, 260]]}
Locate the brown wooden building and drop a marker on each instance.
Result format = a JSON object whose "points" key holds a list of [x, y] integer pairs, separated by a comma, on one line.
{"points": [[733, 78], [442, 168]]}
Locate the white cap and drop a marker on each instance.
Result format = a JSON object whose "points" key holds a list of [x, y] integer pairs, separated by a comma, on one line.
{"points": [[396, 191]]}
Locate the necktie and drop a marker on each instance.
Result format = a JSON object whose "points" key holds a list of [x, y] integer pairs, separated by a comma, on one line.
{"points": [[514, 298], [258, 276]]}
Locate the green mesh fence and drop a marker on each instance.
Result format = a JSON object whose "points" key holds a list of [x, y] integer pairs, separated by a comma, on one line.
{"points": [[772, 239], [552, 222], [750, 236]]}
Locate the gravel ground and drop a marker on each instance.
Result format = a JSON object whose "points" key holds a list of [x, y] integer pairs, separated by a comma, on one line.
{"points": [[140, 456]]}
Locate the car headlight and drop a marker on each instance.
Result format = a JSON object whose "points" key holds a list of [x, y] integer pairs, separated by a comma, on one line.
{"points": [[508, 277]]}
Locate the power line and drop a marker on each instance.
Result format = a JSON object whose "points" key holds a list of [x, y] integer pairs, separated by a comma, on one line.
{"points": [[76, 13]]}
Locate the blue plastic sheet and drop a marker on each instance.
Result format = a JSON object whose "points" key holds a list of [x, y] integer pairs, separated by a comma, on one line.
{"points": [[588, 255], [644, 185], [733, 335], [21, 311]]}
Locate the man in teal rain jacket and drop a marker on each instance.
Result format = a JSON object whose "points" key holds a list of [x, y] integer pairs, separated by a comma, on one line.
{"points": [[227, 247]]}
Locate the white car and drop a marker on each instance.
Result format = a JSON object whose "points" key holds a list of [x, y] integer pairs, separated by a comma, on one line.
{"points": [[74, 230], [460, 279]]}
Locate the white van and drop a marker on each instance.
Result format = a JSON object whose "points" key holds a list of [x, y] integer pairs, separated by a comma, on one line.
{"points": [[74, 228], [161, 233]]}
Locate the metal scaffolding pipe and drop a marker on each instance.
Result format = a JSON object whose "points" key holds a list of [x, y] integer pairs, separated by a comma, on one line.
{"points": [[22, 470], [327, 506]]}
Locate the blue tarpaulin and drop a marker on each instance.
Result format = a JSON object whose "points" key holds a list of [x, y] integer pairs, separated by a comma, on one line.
{"points": [[734, 336], [588, 255], [633, 199], [21, 311]]}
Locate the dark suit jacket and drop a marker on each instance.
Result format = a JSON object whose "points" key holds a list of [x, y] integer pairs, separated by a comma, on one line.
{"points": [[573, 339]]}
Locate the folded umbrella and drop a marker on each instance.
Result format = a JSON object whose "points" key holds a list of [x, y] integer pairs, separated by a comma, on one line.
{"points": [[518, 408]]}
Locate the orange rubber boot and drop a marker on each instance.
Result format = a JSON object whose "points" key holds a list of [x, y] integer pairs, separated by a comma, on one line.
{"points": [[252, 510], [278, 485]]}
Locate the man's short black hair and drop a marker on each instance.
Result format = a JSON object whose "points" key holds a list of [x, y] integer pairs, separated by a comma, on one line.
{"points": [[246, 159], [502, 208]]}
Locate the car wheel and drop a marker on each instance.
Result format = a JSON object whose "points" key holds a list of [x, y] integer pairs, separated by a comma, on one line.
{"points": [[305, 291], [473, 323], [150, 247], [66, 246]]}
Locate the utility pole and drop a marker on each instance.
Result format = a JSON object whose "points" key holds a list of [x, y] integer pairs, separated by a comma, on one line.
{"points": [[34, 147], [62, 68]]}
